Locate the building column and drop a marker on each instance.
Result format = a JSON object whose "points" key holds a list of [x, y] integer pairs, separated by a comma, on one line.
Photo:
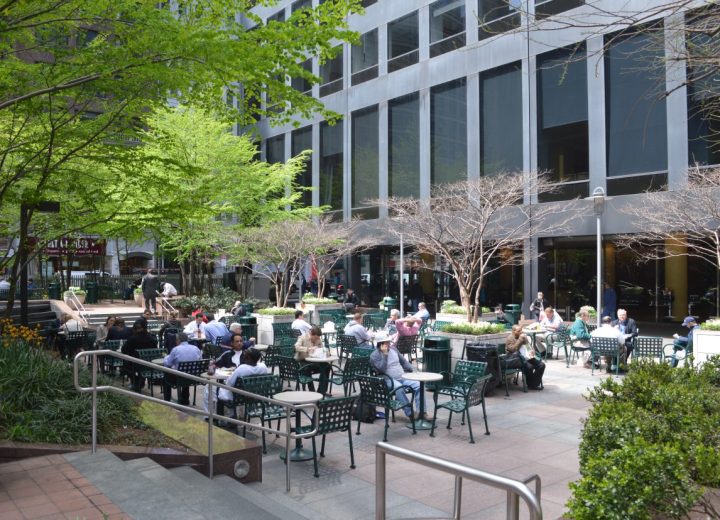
{"points": [[676, 277], [425, 155], [676, 103], [383, 155], [473, 126], [315, 165], [596, 113], [609, 264]]}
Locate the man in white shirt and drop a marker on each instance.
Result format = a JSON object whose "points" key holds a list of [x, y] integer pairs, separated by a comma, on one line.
{"points": [[355, 328], [422, 312], [551, 322], [214, 329], [606, 330], [168, 290], [252, 366], [196, 328], [300, 323]]}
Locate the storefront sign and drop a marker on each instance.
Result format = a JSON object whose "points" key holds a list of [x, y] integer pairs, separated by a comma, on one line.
{"points": [[76, 246]]}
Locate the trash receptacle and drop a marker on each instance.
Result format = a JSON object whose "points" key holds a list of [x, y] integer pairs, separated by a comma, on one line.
{"points": [[488, 353], [91, 290], [390, 303], [249, 326], [249, 308], [54, 291], [512, 313], [436, 357]]}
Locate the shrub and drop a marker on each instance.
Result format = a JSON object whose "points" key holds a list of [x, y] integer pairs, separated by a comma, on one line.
{"points": [[77, 290], [649, 443], [476, 329], [311, 299], [223, 298], [39, 403], [711, 325], [452, 307], [276, 311]]}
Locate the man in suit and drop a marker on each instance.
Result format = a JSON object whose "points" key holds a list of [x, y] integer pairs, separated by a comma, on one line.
{"points": [[628, 327], [150, 284]]}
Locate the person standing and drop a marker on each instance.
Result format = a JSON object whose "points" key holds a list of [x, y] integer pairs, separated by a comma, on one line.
{"points": [[150, 284], [538, 305], [609, 301]]}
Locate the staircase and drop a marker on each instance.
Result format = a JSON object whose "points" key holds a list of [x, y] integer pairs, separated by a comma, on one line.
{"points": [[145, 490], [39, 312]]}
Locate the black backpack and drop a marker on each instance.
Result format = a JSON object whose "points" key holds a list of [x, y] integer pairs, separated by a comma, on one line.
{"points": [[368, 413]]}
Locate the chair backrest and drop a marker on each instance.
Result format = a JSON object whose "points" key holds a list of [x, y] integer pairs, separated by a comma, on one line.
{"points": [[282, 330], [373, 390], [295, 333], [476, 394], [335, 414], [289, 368], [113, 344], [406, 344], [266, 385], [439, 325], [361, 352], [148, 354], [216, 350], [376, 321], [591, 326], [469, 369], [194, 368], [346, 343], [648, 347], [356, 366], [604, 346]]}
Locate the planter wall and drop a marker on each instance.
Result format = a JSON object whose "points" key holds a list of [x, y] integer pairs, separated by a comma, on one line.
{"points": [[80, 297], [312, 310], [265, 330], [458, 340], [461, 318], [706, 343]]}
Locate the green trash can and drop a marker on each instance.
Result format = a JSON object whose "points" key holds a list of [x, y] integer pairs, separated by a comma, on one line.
{"points": [[249, 308], [91, 288], [54, 291], [512, 313], [390, 303], [436, 358]]}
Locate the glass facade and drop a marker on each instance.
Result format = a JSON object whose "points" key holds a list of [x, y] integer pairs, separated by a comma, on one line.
{"points": [[404, 142], [331, 75], [365, 160], [302, 84], [403, 42], [448, 132], [331, 166], [301, 141], [498, 16], [501, 136], [447, 26], [563, 144], [545, 8], [275, 149], [636, 122], [364, 58]]}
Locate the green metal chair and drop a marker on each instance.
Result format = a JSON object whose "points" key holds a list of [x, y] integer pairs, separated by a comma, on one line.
{"points": [[354, 367], [265, 386], [375, 391], [375, 321], [604, 347], [281, 330], [345, 345], [111, 364], [194, 368], [407, 345], [437, 325], [467, 394], [465, 371], [648, 347], [335, 415], [289, 369], [559, 340], [509, 372], [154, 377]]}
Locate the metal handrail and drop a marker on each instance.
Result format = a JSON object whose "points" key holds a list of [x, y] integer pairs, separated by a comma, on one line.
{"points": [[514, 488], [94, 389], [168, 309], [79, 307]]}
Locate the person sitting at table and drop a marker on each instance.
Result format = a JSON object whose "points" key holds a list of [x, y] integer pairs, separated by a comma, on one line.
{"points": [[355, 328], [682, 342], [386, 360], [102, 331], [233, 328], [305, 346], [628, 328], [118, 331], [300, 323], [351, 301], [238, 309], [231, 358], [606, 330], [196, 328], [551, 322], [513, 342], [251, 366], [390, 324], [140, 339], [533, 368], [167, 334], [214, 329], [422, 312], [183, 351], [407, 327], [580, 335]]}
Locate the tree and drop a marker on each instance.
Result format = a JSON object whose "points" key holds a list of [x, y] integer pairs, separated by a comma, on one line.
{"points": [[476, 227], [683, 222]]}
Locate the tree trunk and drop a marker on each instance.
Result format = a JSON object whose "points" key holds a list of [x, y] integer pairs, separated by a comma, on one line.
{"points": [[465, 301], [13, 284], [183, 277]]}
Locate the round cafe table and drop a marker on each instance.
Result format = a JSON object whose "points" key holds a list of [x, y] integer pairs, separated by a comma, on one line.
{"points": [[533, 335], [422, 378], [298, 397], [158, 361]]}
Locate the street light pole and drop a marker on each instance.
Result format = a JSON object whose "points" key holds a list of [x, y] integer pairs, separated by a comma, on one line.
{"points": [[598, 197]]}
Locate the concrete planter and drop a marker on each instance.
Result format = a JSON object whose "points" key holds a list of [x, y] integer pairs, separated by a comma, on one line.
{"points": [[312, 310], [265, 323], [706, 343], [461, 318], [80, 297], [458, 340]]}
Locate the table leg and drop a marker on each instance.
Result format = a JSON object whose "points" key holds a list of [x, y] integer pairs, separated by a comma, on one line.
{"points": [[299, 453], [422, 424]]}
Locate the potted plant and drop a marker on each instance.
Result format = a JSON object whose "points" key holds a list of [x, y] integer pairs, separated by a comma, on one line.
{"points": [[265, 319], [451, 311], [79, 294], [481, 331], [138, 295], [312, 306]]}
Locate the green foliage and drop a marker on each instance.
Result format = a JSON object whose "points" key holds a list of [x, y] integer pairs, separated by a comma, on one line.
{"points": [[314, 300], [77, 290], [276, 311], [223, 298], [649, 443], [39, 403], [452, 307], [474, 329], [711, 325]]}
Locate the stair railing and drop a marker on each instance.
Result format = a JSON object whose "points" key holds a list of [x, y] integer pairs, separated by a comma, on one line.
{"points": [[167, 308], [79, 307], [82, 359], [514, 488]]}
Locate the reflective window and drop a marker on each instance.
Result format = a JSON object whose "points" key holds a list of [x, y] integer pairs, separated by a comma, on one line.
{"points": [[301, 141], [635, 104], [364, 61], [277, 17], [331, 165], [498, 16], [331, 74], [403, 42], [301, 84], [447, 26], [301, 4], [448, 132], [404, 142], [703, 91], [501, 137], [545, 8], [368, 3], [562, 115], [365, 159], [275, 149]]}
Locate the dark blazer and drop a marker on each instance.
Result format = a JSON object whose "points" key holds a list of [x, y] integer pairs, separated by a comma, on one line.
{"points": [[630, 328], [116, 333], [139, 341]]}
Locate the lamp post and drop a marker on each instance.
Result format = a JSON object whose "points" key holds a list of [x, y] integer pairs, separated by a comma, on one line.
{"points": [[598, 197], [42, 207]]}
